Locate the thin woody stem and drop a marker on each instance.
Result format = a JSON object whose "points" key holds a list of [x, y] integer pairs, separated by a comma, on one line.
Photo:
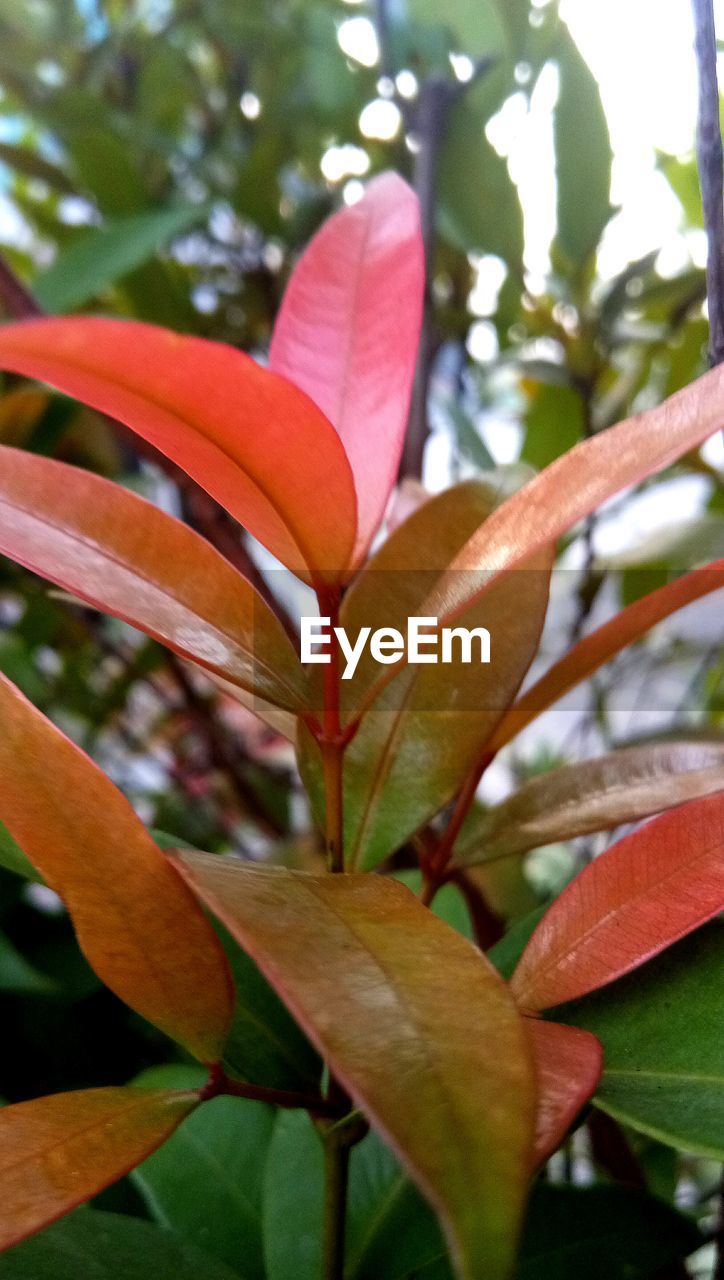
{"points": [[711, 171]]}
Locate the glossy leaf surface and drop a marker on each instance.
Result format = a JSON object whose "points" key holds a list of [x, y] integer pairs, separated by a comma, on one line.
{"points": [[568, 1065], [605, 642], [348, 328], [56, 1152], [662, 1029], [595, 795], [644, 893], [254, 442], [94, 1245], [576, 484], [204, 1184], [125, 556], [293, 1199], [136, 920], [421, 737], [410, 1016]]}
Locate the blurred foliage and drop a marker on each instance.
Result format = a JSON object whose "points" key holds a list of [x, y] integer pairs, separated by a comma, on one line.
{"points": [[166, 159]]}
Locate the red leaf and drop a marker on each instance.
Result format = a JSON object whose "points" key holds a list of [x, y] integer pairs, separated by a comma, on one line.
{"points": [[126, 557], [138, 924], [568, 1064], [605, 642], [644, 893], [348, 330], [57, 1152], [256, 444]]}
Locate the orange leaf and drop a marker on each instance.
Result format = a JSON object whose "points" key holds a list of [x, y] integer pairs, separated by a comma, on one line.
{"points": [[57, 1152], [124, 556], [416, 1024], [644, 893], [568, 1065], [348, 329], [255, 442], [137, 922], [576, 484], [604, 643]]}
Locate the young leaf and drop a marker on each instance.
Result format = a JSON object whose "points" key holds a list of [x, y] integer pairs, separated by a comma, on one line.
{"points": [[595, 795], [125, 556], [136, 920], [644, 893], [205, 1182], [604, 643], [420, 739], [576, 484], [93, 1245], [348, 329], [58, 1151], [662, 1029], [255, 442], [568, 1064], [414, 1022]]}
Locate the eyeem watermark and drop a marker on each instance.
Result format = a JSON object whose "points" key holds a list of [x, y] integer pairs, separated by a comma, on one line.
{"points": [[387, 645]]}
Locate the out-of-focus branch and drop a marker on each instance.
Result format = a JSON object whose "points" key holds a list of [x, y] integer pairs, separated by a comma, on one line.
{"points": [[711, 171], [16, 299], [438, 95]]}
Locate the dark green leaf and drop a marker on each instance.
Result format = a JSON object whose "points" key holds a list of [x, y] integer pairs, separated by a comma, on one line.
{"points": [[662, 1029], [90, 1245], [204, 1183], [602, 1233]]}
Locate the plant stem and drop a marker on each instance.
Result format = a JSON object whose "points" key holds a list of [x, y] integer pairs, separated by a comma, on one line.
{"points": [[336, 1176], [332, 739], [711, 171]]}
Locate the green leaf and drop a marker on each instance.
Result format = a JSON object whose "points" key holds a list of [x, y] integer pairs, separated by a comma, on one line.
{"points": [[390, 1229], [479, 208], [292, 1199], [389, 994], [554, 423], [662, 1029], [90, 1245], [265, 1045], [583, 154], [602, 1233], [17, 975], [391, 1232], [476, 28], [204, 1183], [101, 256], [12, 857]]}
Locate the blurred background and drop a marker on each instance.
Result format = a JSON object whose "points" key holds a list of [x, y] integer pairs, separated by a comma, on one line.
{"points": [[168, 161]]}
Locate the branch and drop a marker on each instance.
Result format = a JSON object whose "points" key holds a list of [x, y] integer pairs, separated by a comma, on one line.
{"points": [[16, 299], [711, 171]]}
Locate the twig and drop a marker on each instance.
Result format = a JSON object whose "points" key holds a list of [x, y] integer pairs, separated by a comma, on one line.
{"points": [[222, 753], [16, 299], [711, 171]]}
